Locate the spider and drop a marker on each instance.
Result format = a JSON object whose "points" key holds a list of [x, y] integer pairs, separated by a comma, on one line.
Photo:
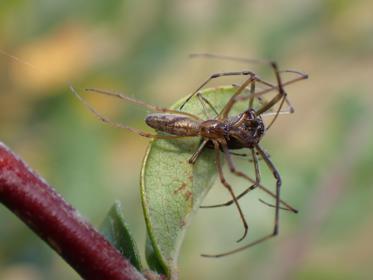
{"points": [[223, 132]]}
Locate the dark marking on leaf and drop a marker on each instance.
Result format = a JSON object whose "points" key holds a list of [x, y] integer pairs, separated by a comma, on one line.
{"points": [[181, 188], [182, 223]]}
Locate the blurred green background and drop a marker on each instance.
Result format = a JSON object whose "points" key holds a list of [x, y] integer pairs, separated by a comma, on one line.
{"points": [[324, 151]]}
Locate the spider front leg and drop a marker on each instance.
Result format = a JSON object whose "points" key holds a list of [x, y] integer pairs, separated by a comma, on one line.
{"points": [[252, 96], [257, 61], [214, 76], [282, 95]]}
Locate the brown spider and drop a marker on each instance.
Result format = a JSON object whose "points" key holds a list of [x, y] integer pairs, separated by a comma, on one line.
{"points": [[222, 132]]}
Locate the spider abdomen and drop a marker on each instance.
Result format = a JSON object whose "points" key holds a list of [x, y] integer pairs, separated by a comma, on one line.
{"points": [[173, 124]]}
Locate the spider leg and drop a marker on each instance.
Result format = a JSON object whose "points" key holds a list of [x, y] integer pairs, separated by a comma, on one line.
{"points": [[229, 188], [135, 101], [256, 184], [205, 101], [251, 61], [227, 57], [244, 155], [230, 103], [277, 212], [277, 113], [252, 79], [301, 77], [227, 108], [277, 97], [251, 99], [196, 154], [281, 92], [233, 169], [214, 76], [107, 121], [272, 205], [238, 154], [251, 96]]}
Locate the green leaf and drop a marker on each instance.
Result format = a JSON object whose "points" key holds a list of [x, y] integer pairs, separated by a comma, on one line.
{"points": [[152, 258], [116, 231], [171, 188]]}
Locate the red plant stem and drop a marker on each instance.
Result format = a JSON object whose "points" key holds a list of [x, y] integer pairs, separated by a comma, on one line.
{"points": [[59, 224]]}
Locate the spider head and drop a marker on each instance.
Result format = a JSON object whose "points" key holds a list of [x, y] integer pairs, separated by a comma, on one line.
{"points": [[249, 131]]}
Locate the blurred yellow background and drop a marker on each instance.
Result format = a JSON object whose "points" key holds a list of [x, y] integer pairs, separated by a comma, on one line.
{"points": [[324, 151]]}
